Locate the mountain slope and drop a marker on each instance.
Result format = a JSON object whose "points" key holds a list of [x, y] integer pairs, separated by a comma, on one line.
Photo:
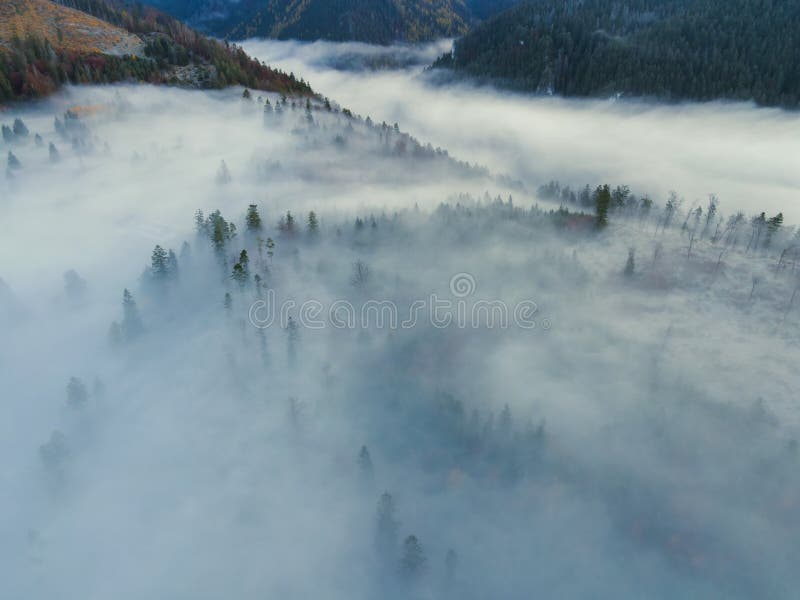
{"points": [[44, 44], [373, 21], [678, 49]]}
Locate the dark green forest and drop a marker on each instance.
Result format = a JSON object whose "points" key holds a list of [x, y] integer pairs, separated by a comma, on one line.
{"points": [[669, 49], [373, 21]]}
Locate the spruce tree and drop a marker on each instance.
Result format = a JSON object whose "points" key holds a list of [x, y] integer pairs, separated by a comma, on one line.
{"points": [[131, 321], [412, 563], [158, 264], [313, 223], [365, 465], [630, 265], [20, 130], [602, 201], [77, 394], [13, 161], [386, 529], [172, 263], [253, 219]]}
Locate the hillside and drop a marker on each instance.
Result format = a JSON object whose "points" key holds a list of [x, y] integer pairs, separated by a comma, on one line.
{"points": [[373, 21], [684, 49], [44, 44]]}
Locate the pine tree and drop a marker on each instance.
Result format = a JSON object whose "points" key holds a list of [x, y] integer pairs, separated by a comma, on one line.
{"points": [[227, 302], [290, 226], [270, 243], [53, 151], [412, 563], [773, 226], [365, 465], [77, 394], [602, 201], [13, 161], [20, 130], [131, 321], [158, 264], [172, 263], [313, 224], [630, 265], [239, 275], [386, 529], [200, 224], [223, 174], [253, 219]]}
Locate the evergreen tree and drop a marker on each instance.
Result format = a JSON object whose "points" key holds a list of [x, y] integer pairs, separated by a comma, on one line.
{"points": [[131, 321], [270, 244], [239, 275], [53, 152], [365, 465], [223, 174], [172, 263], [630, 265], [227, 302], [253, 219], [773, 226], [77, 394], [20, 130], [602, 201], [386, 529], [158, 264], [412, 563], [313, 223], [290, 226], [200, 224], [13, 162]]}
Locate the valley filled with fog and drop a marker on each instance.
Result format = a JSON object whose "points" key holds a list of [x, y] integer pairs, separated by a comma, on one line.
{"points": [[261, 347]]}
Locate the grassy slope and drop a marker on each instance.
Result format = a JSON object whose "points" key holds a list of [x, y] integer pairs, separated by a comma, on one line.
{"points": [[64, 28], [44, 45]]}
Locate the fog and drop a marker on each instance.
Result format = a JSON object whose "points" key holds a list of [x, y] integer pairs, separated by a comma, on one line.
{"points": [[594, 412], [746, 156]]}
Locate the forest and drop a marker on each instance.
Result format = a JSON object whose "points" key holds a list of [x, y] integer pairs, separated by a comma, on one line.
{"points": [[679, 50], [371, 21], [294, 351]]}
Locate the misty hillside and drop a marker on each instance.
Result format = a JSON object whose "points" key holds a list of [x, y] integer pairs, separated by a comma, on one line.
{"points": [[373, 21], [45, 44], [294, 352], [677, 50]]}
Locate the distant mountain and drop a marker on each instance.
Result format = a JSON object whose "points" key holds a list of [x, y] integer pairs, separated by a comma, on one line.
{"points": [[373, 21], [671, 49], [44, 44]]}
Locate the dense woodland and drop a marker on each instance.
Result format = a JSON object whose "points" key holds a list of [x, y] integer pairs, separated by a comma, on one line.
{"points": [[33, 66], [682, 49], [373, 21]]}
